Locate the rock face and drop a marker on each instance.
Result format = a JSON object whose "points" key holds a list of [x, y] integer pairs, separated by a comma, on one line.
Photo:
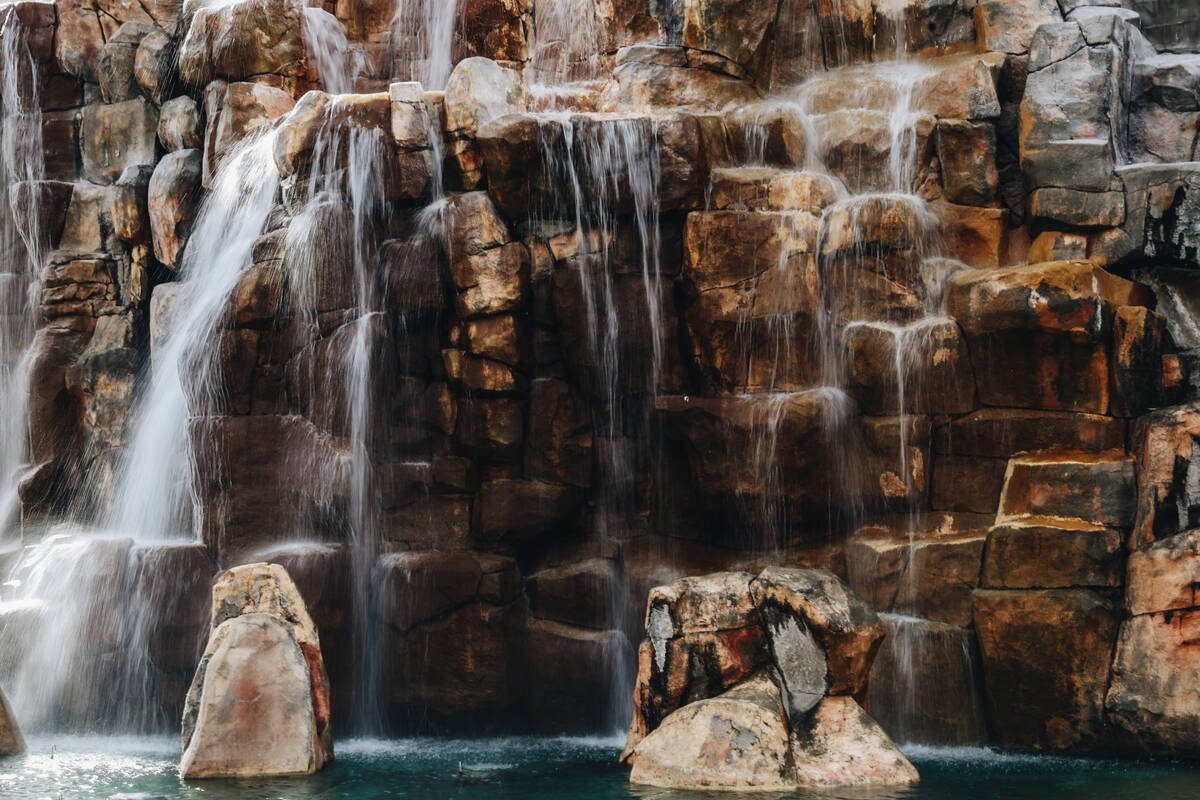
{"points": [[785, 652], [650, 289], [259, 703]]}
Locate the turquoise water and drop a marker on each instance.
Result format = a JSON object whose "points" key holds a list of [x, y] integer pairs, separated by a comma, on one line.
{"points": [[545, 769]]}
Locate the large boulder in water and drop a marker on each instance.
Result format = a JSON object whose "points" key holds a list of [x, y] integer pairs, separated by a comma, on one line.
{"points": [[744, 683], [737, 740], [11, 741], [259, 703]]}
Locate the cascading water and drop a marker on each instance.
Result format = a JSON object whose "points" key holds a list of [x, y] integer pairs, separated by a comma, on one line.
{"points": [[21, 166], [76, 592], [423, 38], [860, 127], [340, 223], [606, 169]]}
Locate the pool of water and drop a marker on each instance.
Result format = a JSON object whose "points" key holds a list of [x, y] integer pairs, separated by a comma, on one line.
{"points": [[546, 769]]}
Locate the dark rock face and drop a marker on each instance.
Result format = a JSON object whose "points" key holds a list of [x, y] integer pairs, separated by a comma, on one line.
{"points": [[658, 323]]}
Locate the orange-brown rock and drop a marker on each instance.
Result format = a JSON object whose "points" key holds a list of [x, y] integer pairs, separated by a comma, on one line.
{"points": [[1055, 701], [1165, 445]]}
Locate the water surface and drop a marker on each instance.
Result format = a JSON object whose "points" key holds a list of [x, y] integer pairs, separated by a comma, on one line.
{"points": [[545, 769]]}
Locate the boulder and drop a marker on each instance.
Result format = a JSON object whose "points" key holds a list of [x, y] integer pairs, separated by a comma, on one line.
{"points": [[841, 746], [11, 741], [259, 702], [1166, 449], [737, 740], [702, 634], [243, 39], [1008, 27], [113, 137], [1053, 555], [179, 124], [116, 65], [847, 628], [173, 199], [480, 90], [252, 702], [154, 65], [1152, 703]]}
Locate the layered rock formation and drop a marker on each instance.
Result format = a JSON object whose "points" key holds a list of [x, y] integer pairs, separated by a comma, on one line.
{"points": [[749, 682], [670, 289], [259, 703]]}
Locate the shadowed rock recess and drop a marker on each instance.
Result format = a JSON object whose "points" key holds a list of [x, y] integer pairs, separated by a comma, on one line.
{"points": [[485, 319]]}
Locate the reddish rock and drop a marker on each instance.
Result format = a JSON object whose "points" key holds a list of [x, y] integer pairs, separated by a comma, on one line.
{"points": [[1052, 555], [1165, 444], [1092, 489], [1055, 701]]}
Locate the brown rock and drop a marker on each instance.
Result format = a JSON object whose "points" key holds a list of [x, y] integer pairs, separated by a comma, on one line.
{"points": [[925, 684], [1165, 445], [416, 587], [967, 151], [1138, 343], [512, 514], [737, 740], [1164, 576], [243, 39], [1056, 701], [1053, 555], [113, 137], [575, 594], [173, 199], [1153, 704], [11, 741], [1092, 489], [845, 625]]}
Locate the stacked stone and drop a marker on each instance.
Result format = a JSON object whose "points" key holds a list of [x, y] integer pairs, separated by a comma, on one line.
{"points": [[1027, 439]]}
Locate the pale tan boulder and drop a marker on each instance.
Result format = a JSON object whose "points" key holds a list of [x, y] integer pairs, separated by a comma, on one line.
{"points": [[840, 745], [259, 702], [737, 740], [253, 704]]}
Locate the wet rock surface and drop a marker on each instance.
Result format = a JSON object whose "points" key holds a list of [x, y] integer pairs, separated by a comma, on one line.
{"points": [[781, 715], [719, 287], [259, 703]]}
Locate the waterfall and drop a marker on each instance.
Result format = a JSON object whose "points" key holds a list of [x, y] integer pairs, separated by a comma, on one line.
{"points": [[21, 167], [338, 64], [81, 609], [423, 36], [336, 231], [155, 497], [606, 174]]}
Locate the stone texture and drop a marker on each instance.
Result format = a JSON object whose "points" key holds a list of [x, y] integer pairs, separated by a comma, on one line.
{"points": [[243, 39], [262, 674], [840, 745], [847, 627], [737, 740], [113, 137], [173, 199], [1055, 702]]}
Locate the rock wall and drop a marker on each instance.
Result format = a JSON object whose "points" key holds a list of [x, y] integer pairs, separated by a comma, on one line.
{"points": [[646, 335]]}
